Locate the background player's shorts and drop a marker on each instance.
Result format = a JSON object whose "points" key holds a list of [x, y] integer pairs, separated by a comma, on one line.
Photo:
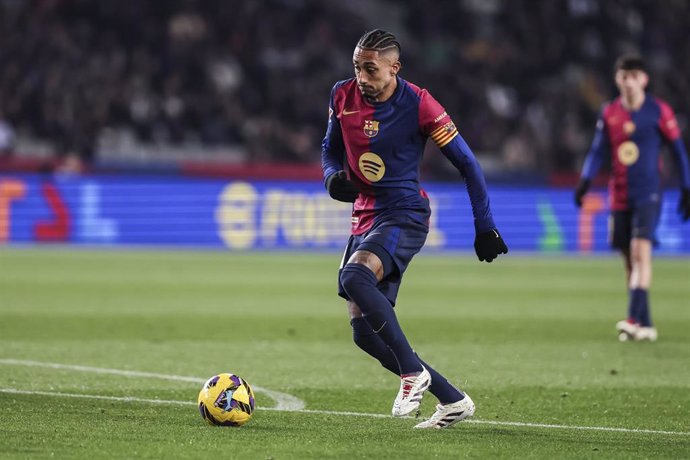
{"points": [[638, 221], [399, 237]]}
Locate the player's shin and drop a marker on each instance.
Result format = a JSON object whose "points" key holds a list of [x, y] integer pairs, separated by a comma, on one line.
{"points": [[366, 339], [360, 284]]}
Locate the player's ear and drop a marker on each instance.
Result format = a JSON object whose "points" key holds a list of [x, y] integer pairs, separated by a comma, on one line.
{"points": [[395, 68]]}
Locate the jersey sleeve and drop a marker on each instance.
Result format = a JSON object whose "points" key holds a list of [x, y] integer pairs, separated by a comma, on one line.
{"points": [[682, 163], [460, 154], [434, 122], [598, 151], [332, 146], [668, 125]]}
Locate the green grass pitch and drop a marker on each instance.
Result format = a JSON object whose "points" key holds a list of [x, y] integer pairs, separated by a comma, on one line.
{"points": [[531, 339]]}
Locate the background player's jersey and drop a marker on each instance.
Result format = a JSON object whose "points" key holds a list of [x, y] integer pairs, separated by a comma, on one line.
{"points": [[383, 144], [633, 141]]}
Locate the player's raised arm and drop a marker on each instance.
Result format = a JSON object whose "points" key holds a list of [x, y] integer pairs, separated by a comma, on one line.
{"points": [[488, 242], [434, 120], [332, 153], [668, 125], [593, 161], [459, 153]]}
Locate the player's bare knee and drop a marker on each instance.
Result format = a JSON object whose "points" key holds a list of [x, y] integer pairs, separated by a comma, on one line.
{"points": [[640, 250], [354, 310], [369, 260]]}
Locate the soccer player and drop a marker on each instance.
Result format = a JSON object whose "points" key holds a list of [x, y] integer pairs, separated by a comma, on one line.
{"points": [[378, 125], [630, 130]]}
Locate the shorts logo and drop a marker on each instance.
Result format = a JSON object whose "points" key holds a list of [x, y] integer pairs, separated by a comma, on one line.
{"points": [[372, 166], [628, 127], [371, 128], [628, 153]]}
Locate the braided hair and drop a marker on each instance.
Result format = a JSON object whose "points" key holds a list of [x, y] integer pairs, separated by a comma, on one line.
{"points": [[378, 40]]}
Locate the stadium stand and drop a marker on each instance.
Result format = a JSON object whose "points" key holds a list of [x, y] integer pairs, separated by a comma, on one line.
{"points": [[184, 84]]}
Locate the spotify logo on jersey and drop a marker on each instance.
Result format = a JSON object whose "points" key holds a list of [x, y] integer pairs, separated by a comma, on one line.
{"points": [[628, 153], [372, 166]]}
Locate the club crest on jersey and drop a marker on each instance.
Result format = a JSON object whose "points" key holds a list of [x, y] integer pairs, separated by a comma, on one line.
{"points": [[372, 166], [628, 153], [371, 128]]}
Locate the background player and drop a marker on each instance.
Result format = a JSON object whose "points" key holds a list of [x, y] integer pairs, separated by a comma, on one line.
{"points": [[377, 128], [631, 130]]}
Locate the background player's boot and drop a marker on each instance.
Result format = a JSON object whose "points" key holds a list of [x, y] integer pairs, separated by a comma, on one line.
{"points": [[626, 330], [646, 333], [449, 414], [412, 388]]}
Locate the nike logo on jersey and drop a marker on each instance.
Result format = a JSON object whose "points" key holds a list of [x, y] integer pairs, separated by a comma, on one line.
{"points": [[345, 112]]}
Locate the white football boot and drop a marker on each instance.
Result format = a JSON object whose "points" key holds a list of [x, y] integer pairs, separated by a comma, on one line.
{"points": [[646, 334], [412, 390], [449, 414], [626, 330]]}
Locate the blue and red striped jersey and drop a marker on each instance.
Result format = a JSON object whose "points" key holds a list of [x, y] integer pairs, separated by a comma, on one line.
{"points": [[633, 140], [382, 145]]}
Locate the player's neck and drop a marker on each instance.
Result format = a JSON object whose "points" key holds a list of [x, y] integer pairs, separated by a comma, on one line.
{"points": [[633, 102]]}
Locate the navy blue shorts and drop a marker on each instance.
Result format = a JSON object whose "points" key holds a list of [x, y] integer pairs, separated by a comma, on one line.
{"points": [[394, 239], [638, 221]]}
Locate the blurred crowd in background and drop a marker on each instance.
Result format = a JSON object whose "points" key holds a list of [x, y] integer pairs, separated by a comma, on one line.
{"points": [[248, 82]]}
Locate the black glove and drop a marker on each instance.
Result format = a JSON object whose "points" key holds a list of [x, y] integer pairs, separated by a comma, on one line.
{"points": [[341, 188], [684, 204], [581, 190], [489, 245]]}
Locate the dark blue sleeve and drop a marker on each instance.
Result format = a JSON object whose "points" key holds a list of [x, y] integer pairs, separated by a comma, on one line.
{"points": [[681, 156], [597, 152], [332, 147], [459, 153]]}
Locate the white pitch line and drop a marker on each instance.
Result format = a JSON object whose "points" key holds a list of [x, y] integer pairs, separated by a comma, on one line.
{"points": [[102, 370], [283, 401], [15, 391], [575, 427], [350, 414]]}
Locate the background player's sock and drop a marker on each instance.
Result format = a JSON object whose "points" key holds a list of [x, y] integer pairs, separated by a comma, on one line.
{"points": [[360, 284], [641, 297], [637, 307], [371, 343]]}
